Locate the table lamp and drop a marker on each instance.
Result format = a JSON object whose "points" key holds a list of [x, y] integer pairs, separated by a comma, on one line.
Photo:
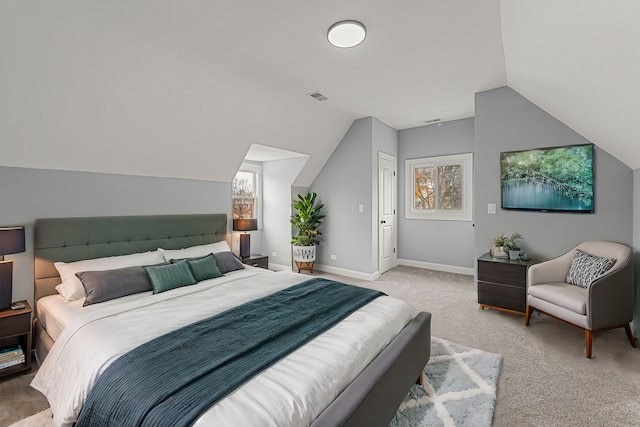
{"points": [[11, 242], [245, 224]]}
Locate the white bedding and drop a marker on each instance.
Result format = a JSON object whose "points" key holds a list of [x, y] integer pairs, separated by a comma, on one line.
{"points": [[292, 392]]}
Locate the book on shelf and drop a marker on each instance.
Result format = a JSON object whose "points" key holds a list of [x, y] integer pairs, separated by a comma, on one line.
{"points": [[12, 362], [11, 354], [13, 349]]}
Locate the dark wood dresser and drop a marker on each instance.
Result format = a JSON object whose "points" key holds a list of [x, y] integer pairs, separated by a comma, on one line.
{"points": [[502, 283]]}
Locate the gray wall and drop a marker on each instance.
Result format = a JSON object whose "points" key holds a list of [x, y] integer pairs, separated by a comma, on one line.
{"points": [[434, 241], [347, 180], [29, 194], [277, 177], [504, 120]]}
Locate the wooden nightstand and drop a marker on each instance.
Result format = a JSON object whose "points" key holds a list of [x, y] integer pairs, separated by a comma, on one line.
{"points": [[502, 283], [261, 261], [15, 328]]}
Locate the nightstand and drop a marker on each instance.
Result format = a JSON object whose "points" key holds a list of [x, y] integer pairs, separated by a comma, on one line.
{"points": [[15, 328], [502, 283], [261, 261]]}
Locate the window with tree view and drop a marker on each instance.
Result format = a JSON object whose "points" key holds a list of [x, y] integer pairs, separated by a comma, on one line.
{"points": [[245, 192], [439, 187]]}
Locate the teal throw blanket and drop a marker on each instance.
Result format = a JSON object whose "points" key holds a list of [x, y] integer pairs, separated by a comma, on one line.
{"points": [[171, 380]]}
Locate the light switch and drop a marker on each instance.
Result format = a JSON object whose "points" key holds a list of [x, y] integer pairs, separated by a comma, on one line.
{"points": [[491, 208], [361, 207]]}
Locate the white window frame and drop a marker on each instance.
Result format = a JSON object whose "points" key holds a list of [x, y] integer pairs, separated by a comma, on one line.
{"points": [[466, 213], [256, 170]]}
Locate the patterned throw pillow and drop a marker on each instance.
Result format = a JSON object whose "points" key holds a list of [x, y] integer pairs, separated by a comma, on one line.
{"points": [[586, 268]]}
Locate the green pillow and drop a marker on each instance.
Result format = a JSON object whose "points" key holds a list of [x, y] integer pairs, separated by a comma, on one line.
{"points": [[170, 276], [204, 268]]}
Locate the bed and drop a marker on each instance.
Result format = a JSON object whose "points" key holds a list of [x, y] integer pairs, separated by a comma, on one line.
{"points": [[386, 362]]}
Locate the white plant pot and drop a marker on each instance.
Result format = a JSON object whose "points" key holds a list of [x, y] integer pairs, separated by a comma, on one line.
{"points": [[304, 253]]}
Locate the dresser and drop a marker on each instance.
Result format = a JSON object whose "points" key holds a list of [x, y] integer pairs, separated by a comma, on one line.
{"points": [[502, 283]]}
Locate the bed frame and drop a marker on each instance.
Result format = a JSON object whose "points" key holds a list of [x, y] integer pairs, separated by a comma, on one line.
{"points": [[371, 399]]}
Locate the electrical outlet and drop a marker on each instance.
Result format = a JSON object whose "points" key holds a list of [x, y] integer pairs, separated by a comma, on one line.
{"points": [[334, 257], [274, 254]]}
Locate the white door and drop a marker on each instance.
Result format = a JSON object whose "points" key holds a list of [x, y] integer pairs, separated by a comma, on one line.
{"points": [[386, 212]]}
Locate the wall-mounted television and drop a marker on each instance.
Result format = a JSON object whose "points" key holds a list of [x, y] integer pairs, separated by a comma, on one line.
{"points": [[550, 179]]}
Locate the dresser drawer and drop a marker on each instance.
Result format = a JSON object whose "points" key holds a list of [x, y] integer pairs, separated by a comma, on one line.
{"points": [[15, 325], [505, 296], [511, 274]]}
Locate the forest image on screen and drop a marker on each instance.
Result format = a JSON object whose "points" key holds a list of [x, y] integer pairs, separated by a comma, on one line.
{"points": [[548, 179]]}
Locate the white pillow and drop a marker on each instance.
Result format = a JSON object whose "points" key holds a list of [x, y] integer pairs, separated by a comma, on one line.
{"points": [[195, 251], [71, 287]]}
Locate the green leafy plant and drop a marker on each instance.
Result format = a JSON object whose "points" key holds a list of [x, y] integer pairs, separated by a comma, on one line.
{"points": [[512, 242], [500, 240], [306, 220]]}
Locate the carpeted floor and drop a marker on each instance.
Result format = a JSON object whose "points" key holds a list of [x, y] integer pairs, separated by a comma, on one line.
{"points": [[545, 379]]}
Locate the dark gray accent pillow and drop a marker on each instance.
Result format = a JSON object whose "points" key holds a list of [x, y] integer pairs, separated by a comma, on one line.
{"points": [[101, 286], [170, 276], [228, 261]]}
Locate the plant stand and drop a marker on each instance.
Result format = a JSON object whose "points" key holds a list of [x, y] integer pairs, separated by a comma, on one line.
{"points": [[305, 265]]}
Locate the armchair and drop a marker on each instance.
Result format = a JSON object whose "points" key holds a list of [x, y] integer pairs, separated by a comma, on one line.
{"points": [[607, 303]]}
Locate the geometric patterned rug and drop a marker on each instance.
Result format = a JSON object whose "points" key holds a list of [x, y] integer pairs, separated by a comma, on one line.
{"points": [[459, 389]]}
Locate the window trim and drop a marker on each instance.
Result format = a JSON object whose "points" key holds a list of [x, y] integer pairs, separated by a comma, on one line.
{"points": [[466, 161], [256, 169]]}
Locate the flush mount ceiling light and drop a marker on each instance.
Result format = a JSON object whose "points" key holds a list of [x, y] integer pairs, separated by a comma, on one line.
{"points": [[346, 34]]}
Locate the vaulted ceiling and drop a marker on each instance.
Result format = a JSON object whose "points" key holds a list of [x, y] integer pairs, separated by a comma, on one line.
{"points": [[184, 88]]}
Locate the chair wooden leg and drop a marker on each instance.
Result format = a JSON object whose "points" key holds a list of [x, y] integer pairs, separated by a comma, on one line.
{"points": [[588, 335], [632, 340], [420, 379], [527, 316]]}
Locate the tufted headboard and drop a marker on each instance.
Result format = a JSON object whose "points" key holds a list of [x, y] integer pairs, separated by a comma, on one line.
{"points": [[74, 239]]}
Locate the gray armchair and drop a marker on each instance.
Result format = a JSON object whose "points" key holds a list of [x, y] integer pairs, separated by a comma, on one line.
{"points": [[606, 304]]}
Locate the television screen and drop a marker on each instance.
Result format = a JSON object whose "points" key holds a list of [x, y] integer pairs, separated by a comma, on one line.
{"points": [[554, 179]]}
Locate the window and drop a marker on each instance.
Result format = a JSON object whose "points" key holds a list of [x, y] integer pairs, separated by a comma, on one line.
{"points": [[439, 187], [246, 191]]}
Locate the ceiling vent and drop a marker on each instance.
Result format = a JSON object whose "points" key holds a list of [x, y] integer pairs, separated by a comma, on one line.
{"points": [[432, 121], [318, 96]]}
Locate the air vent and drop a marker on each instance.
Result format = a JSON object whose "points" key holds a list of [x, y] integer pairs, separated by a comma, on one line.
{"points": [[432, 121], [318, 96]]}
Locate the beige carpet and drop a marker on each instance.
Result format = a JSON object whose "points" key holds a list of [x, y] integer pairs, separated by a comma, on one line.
{"points": [[545, 379]]}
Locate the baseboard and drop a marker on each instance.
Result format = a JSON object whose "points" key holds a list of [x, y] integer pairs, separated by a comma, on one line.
{"points": [[279, 267], [438, 267], [348, 273]]}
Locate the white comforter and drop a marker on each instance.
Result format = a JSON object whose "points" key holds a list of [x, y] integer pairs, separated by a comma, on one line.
{"points": [[292, 392]]}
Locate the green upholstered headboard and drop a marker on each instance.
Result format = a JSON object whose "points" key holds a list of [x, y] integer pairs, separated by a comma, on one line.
{"points": [[74, 239]]}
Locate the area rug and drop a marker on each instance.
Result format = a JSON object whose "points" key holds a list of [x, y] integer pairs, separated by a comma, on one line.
{"points": [[459, 389]]}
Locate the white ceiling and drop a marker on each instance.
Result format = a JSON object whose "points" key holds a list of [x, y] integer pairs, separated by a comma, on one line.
{"points": [[183, 89]]}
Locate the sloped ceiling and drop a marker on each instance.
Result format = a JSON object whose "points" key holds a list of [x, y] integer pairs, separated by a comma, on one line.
{"points": [[183, 89]]}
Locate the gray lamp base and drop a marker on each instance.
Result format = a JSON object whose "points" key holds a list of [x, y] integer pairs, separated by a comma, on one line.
{"points": [[6, 286], [245, 245]]}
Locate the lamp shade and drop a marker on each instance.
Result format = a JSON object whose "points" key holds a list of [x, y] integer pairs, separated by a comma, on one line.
{"points": [[11, 240], [245, 224]]}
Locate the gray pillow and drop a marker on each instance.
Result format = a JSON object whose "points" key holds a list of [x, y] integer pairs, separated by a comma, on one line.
{"points": [[227, 261], [586, 268], [101, 286], [170, 276]]}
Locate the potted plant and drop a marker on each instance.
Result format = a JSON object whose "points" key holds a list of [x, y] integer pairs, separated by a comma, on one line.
{"points": [[305, 221], [498, 246], [512, 244]]}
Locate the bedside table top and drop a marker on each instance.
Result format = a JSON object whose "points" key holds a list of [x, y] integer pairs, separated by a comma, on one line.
{"points": [[9, 312]]}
